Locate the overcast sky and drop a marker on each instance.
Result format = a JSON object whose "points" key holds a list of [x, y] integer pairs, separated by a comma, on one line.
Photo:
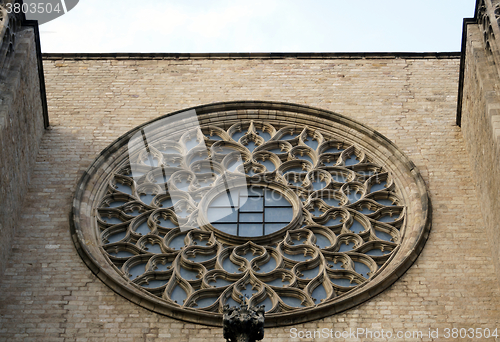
{"points": [[259, 26]]}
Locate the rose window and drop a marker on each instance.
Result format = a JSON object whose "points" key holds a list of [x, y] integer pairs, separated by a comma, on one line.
{"points": [[301, 210]]}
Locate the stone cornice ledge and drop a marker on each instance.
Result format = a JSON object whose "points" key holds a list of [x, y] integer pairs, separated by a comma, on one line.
{"points": [[256, 55]]}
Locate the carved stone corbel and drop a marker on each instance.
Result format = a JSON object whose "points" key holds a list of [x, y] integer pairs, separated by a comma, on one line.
{"points": [[243, 324]]}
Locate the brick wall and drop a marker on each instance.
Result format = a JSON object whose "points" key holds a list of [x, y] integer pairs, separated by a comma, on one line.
{"points": [[481, 130], [21, 128], [48, 294]]}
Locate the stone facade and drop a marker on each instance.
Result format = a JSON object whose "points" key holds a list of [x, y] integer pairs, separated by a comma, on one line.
{"points": [[49, 294], [21, 128], [480, 121]]}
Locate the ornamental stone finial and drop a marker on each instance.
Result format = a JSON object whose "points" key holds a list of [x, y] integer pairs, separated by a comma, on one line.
{"points": [[243, 324]]}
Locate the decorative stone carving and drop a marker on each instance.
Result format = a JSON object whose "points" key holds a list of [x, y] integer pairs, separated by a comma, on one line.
{"points": [[496, 9], [485, 25], [243, 324], [347, 236], [9, 25]]}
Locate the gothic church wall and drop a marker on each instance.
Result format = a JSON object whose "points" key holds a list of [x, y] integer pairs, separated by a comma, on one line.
{"points": [[48, 294], [481, 126], [21, 128]]}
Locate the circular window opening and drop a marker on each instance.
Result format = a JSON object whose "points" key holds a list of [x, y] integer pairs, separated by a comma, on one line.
{"points": [[250, 212], [299, 209]]}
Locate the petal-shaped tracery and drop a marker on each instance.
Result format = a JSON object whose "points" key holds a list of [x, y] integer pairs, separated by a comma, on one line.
{"points": [[284, 215]]}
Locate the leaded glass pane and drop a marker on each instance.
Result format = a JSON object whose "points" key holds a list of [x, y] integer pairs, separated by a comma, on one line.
{"points": [[278, 214], [254, 229]]}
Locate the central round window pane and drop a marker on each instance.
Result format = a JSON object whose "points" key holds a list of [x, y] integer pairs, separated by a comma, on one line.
{"points": [[250, 211]]}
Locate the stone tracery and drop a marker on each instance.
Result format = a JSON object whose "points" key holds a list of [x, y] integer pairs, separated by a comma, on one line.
{"points": [[350, 212], [346, 222]]}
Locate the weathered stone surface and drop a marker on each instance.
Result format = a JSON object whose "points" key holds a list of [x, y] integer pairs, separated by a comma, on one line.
{"points": [[49, 294], [243, 324], [481, 129], [21, 128]]}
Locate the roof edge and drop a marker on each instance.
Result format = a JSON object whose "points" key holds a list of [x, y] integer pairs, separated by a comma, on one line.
{"points": [[256, 55], [41, 75], [463, 51], [461, 77]]}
